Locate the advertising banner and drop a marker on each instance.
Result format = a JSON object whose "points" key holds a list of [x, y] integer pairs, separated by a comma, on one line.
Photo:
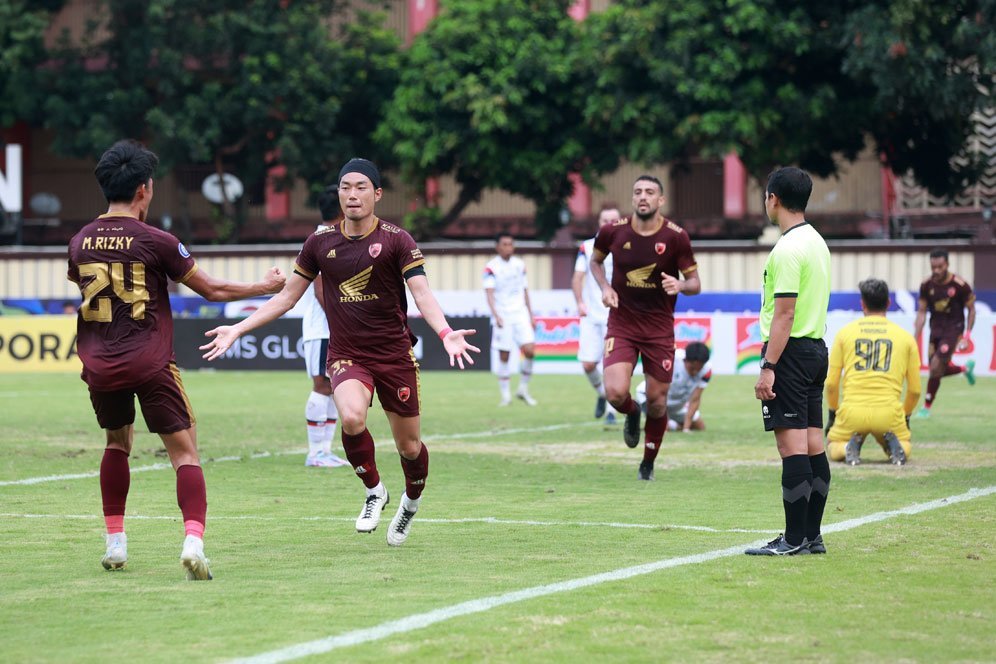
{"points": [[278, 345], [38, 343]]}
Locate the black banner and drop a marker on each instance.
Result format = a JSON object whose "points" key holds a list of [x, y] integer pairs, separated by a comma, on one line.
{"points": [[278, 345]]}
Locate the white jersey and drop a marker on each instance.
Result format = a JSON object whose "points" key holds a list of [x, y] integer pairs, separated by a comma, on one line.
{"points": [[314, 323], [591, 292], [508, 279], [682, 384]]}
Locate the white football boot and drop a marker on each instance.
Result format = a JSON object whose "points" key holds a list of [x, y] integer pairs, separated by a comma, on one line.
{"points": [[401, 524], [375, 502], [117, 551], [193, 560]]}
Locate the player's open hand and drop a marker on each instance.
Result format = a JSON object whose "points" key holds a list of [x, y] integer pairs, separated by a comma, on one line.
{"points": [[672, 285], [764, 389], [457, 347], [224, 337], [274, 280], [610, 297]]}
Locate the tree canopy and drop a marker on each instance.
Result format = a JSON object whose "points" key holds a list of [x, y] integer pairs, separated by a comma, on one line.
{"points": [[242, 86], [511, 94], [492, 93], [795, 82]]}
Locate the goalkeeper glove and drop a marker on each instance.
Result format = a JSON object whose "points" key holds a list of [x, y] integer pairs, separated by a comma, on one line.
{"points": [[831, 418]]}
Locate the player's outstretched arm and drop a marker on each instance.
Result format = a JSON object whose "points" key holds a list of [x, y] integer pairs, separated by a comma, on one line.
{"points": [[222, 290], [272, 309], [454, 341]]}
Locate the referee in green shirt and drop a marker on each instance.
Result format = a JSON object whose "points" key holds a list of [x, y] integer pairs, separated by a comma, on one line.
{"points": [[794, 303]]}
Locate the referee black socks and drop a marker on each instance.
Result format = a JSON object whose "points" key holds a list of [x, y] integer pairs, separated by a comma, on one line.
{"points": [[818, 496], [797, 483]]}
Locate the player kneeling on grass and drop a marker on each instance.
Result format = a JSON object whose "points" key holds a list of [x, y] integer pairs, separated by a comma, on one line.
{"points": [[125, 341], [869, 360], [364, 263], [691, 376]]}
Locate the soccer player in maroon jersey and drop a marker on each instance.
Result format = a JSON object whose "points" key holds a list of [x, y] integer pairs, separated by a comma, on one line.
{"points": [[365, 264], [648, 251], [946, 296], [125, 341]]}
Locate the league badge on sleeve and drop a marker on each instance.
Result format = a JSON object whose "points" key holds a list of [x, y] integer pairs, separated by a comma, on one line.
{"points": [[183, 250]]}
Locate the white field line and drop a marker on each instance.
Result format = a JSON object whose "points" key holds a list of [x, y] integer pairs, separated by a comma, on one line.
{"points": [[484, 519], [421, 620], [263, 455]]}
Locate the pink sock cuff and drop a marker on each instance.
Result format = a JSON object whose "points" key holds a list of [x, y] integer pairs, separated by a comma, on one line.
{"points": [[195, 528], [114, 523]]}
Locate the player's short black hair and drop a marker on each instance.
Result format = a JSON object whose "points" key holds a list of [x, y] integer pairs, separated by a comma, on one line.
{"points": [[697, 352], [792, 186], [501, 234], [939, 253], [651, 178], [875, 294], [123, 168], [328, 203]]}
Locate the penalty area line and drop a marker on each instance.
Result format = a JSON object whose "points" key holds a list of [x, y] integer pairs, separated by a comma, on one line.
{"points": [[264, 455], [422, 620], [483, 519]]}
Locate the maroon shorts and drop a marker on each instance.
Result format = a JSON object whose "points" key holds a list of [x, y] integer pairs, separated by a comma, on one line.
{"points": [[164, 403], [943, 345], [396, 382], [658, 357]]}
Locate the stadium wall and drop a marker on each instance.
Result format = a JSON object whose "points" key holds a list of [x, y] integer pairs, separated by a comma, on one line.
{"points": [[41, 272]]}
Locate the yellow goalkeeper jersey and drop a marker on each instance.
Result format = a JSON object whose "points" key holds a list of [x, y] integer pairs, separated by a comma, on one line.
{"points": [[875, 356]]}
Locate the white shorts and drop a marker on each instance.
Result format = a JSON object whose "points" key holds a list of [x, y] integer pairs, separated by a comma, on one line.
{"points": [[591, 344], [677, 420], [515, 333], [315, 354]]}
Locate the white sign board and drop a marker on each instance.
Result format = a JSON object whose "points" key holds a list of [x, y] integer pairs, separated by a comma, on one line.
{"points": [[11, 194]]}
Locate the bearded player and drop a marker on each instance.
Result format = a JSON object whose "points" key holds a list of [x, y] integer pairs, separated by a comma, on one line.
{"points": [[648, 252]]}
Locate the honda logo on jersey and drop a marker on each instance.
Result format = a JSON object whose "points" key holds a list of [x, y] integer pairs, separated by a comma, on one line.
{"points": [[404, 393], [660, 247], [375, 250]]}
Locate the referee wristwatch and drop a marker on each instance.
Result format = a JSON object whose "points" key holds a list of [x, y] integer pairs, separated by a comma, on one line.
{"points": [[768, 365]]}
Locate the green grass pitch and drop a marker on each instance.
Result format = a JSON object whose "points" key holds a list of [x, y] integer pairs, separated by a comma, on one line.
{"points": [[517, 498]]}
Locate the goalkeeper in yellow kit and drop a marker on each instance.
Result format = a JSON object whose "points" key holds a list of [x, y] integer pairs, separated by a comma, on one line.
{"points": [[869, 360]]}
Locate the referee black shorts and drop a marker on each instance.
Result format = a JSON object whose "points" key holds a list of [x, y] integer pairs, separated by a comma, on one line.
{"points": [[799, 379]]}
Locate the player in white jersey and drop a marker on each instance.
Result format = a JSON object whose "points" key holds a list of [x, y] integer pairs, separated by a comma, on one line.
{"points": [[593, 313], [320, 411], [684, 399], [512, 321]]}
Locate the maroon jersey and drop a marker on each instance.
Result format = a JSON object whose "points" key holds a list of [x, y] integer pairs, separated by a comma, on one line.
{"points": [[363, 289], [125, 324], [645, 311], [946, 303]]}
